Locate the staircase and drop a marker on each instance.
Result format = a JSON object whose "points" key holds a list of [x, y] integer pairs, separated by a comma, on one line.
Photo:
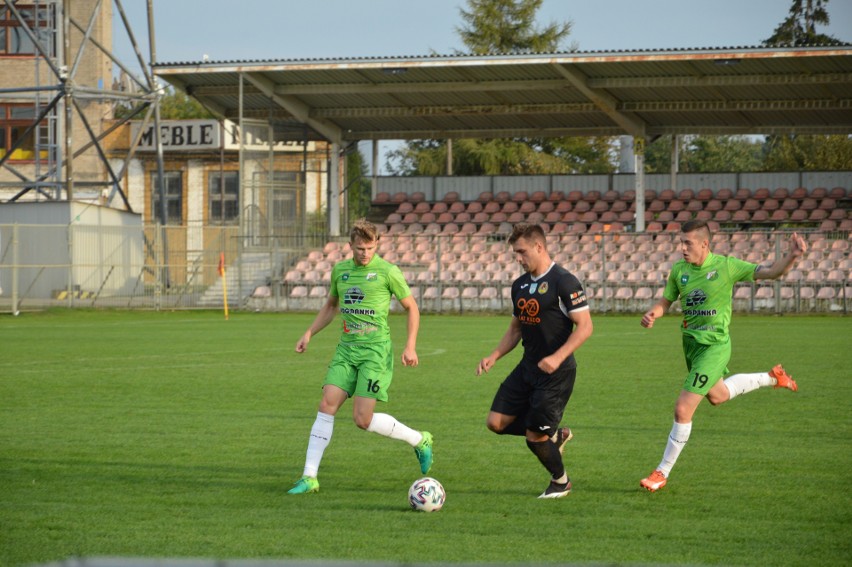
{"points": [[255, 269]]}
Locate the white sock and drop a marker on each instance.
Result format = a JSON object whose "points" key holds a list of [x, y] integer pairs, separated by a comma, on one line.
{"points": [[317, 442], [677, 441], [739, 384], [387, 425]]}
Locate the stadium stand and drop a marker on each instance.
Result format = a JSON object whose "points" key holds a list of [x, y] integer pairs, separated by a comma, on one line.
{"points": [[453, 252]]}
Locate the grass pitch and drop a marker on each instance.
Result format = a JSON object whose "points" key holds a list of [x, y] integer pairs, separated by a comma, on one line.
{"points": [[177, 435]]}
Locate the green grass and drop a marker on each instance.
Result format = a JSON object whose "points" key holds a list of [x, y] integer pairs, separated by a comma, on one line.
{"points": [[177, 435]]}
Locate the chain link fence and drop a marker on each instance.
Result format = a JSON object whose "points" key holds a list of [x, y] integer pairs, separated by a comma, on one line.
{"points": [[178, 267]]}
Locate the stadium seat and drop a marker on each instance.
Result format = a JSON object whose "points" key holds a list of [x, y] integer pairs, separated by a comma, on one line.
{"points": [[762, 193], [818, 193]]}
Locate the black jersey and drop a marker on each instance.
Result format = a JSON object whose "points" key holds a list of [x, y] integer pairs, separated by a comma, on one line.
{"points": [[541, 306]]}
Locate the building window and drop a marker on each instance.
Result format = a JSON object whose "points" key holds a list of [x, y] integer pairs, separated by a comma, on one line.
{"points": [[223, 189], [14, 121], [14, 39], [174, 197]]}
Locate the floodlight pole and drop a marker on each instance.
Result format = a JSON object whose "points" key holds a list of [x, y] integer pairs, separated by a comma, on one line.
{"points": [[161, 185]]}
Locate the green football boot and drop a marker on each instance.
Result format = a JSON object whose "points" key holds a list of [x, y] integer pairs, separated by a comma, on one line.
{"points": [[424, 452], [305, 485]]}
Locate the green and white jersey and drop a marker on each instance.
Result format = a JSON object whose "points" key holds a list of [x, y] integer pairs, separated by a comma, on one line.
{"points": [[364, 295], [706, 293]]}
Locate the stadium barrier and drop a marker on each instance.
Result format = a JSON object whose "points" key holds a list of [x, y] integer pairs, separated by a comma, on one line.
{"points": [[161, 267]]}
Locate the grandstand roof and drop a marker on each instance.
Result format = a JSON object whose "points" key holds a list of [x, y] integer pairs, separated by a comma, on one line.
{"points": [[734, 90]]}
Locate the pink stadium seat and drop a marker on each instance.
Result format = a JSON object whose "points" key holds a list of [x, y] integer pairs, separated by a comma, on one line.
{"points": [[778, 215], [704, 195], [818, 193], [510, 207], [485, 197], [781, 193], [556, 196], [502, 197], [686, 195], [538, 196], [694, 205], [789, 204], [837, 193], [762, 193], [574, 196], [733, 205], [666, 195], [319, 291], [299, 291], [742, 194], [799, 193], [451, 197]]}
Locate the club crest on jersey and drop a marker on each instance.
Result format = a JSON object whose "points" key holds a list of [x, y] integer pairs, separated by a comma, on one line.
{"points": [[371, 276], [714, 275], [683, 279], [533, 287], [345, 277], [542, 289]]}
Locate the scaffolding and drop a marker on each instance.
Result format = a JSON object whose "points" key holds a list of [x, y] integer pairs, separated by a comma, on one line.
{"points": [[60, 97]]}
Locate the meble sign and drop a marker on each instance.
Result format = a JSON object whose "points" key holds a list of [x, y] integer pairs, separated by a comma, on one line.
{"points": [[195, 135], [186, 135]]}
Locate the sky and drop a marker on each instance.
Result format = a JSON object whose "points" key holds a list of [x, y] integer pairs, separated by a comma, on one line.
{"points": [[225, 30]]}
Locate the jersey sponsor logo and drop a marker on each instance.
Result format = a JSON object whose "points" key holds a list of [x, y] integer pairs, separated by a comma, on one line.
{"points": [[345, 277], [542, 289], [714, 275], [524, 286], [695, 298], [700, 312], [353, 295], [529, 309], [353, 311], [689, 327], [533, 287], [578, 297], [371, 276], [356, 328]]}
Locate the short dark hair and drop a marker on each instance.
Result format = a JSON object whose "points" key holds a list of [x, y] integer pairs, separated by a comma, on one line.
{"points": [[527, 231], [696, 224]]}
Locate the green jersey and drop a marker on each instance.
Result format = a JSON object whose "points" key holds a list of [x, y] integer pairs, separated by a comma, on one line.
{"points": [[706, 293], [364, 295]]}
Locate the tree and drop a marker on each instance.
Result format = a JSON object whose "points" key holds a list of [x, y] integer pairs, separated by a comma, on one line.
{"points": [[799, 28], [807, 152], [174, 105], [506, 26], [705, 154]]}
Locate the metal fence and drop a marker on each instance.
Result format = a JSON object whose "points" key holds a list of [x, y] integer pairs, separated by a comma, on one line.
{"points": [[177, 267]]}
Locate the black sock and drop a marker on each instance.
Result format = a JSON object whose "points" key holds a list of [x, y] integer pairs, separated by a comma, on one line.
{"points": [[548, 453]]}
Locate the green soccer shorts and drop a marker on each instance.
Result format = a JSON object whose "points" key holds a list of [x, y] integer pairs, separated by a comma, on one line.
{"points": [[706, 364], [364, 370]]}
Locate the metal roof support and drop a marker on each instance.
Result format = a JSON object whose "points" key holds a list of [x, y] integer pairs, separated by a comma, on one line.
{"points": [[297, 108], [639, 153], [334, 191]]}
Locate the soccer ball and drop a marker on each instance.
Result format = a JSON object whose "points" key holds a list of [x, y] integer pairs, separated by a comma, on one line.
{"points": [[426, 495]]}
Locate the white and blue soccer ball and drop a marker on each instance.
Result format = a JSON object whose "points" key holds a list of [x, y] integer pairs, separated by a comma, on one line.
{"points": [[426, 495]]}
